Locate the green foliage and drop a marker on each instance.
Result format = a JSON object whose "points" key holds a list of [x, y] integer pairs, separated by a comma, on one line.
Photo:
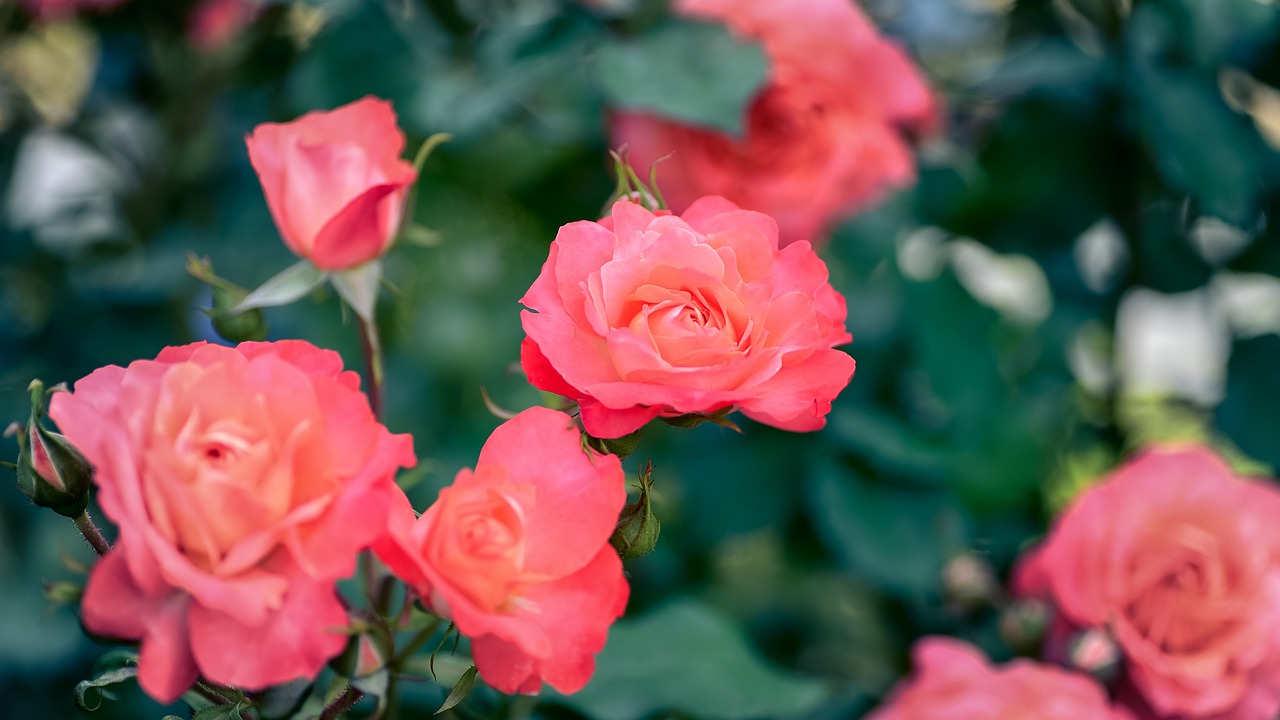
{"points": [[694, 72], [684, 655]]}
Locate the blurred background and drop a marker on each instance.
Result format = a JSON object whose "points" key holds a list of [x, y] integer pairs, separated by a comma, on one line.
{"points": [[1089, 261]]}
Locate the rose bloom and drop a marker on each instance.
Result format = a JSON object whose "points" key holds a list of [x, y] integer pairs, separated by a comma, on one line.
{"points": [[1177, 557], [644, 315], [953, 680], [823, 138], [517, 554], [244, 481], [213, 24], [335, 181]]}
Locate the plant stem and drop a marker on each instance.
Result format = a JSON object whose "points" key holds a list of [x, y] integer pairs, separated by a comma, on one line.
{"points": [[416, 642], [372, 348], [342, 704], [85, 525]]}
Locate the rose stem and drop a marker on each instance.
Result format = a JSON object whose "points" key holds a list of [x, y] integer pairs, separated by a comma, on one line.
{"points": [[372, 348], [342, 704], [85, 525]]}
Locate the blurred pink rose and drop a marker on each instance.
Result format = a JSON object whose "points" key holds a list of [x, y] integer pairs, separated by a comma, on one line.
{"points": [[824, 137], [517, 554], [54, 9], [243, 481], [953, 680], [215, 23], [645, 315], [1179, 559], [334, 181]]}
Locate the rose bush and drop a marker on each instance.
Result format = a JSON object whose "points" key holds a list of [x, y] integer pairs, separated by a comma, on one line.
{"points": [[953, 680], [1179, 559], [335, 181], [517, 554], [243, 481], [644, 315], [824, 137]]}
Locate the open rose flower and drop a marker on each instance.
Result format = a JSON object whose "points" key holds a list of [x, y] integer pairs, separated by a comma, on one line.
{"points": [[644, 315], [953, 680], [1179, 559], [823, 138], [244, 481], [517, 554], [334, 181]]}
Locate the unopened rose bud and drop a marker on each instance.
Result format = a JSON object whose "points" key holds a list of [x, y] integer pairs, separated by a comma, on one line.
{"points": [[366, 653], [969, 582], [50, 471], [1093, 651], [638, 527], [236, 327], [1023, 625]]}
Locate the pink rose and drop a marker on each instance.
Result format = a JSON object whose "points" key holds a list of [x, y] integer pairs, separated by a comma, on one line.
{"points": [[1179, 559], [215, 23], [334, 181], [644, 315], [824, 137], [953, 680], [244, 481], [517, 554]]}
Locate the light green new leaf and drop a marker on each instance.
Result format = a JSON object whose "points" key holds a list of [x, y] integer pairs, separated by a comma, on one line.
{"points": [[290, 284]]}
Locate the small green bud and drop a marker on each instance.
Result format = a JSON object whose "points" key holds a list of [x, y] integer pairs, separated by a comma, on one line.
{"points": [[50, 471], [620, 446], [1094, 651], [237, 327], [1023, 625], [638, 528]]}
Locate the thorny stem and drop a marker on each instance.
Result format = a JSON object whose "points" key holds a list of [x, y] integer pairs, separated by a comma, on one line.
{"points": [[91, 533], [342, 704]]}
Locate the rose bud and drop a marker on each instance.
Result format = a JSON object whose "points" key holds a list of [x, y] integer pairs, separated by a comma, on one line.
{"points": [[335, 182], [50, 471], [638, 528]]}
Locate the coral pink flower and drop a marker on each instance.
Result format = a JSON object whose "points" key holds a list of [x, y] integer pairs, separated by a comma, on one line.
{"points": [[335, 181], [517, 554], [1179, 559], [953, 680], [215, 23], [823, 138], [645, 315], [244, 481]]}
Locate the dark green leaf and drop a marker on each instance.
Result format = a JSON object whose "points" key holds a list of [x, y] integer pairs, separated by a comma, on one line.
{"points": [[460, 690], [89, 693], [693, 72], [894, 535], [684, 657]]}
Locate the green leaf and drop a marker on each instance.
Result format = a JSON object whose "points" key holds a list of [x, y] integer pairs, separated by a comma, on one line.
{"points": [[219, 712], [89, 693], [359, 287], [896, 536], [290, 284], [684, 657], [282, 701], [693, 72], [460, 690]]}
